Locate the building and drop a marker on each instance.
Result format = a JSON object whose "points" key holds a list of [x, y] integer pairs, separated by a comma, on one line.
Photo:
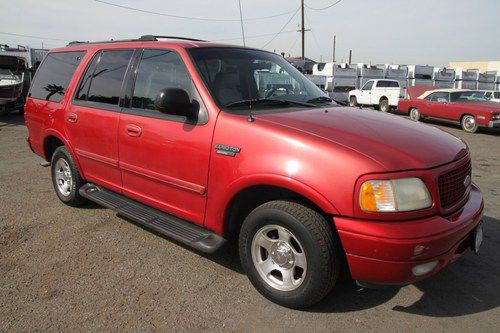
{"points": [[483, 66]]}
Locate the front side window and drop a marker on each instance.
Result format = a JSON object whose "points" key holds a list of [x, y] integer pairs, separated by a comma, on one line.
{"points": [[158, 69], [368, 86], [102, 82], [468, 96], [247, 78], [53, 76]]}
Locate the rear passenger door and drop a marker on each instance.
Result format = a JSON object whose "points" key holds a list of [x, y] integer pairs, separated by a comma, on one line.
{"points": [[164, 158], [93, 116]]}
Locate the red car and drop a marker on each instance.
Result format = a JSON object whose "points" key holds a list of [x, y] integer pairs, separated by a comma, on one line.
{"points": [[205, 142], [468, 107]]}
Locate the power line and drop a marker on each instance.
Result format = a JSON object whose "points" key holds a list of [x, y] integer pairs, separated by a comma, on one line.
{"points": [[282, 28], [314, 35], [323, 8], [252, 36], [37, 37], [188, 17]]}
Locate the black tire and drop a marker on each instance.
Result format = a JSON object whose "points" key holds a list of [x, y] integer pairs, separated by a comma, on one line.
{"points": [[469, 123], [74, 198], [353, 102], [321, 246], [384, 105]]}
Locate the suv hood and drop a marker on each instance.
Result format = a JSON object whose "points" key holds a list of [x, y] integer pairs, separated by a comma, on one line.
{"points": [[394, 142]]}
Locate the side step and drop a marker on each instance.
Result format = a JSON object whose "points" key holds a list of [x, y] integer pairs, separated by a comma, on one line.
{"points": [[181, 230]]}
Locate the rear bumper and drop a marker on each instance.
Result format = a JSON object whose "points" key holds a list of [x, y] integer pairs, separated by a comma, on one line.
{"points": [[386, 252]]}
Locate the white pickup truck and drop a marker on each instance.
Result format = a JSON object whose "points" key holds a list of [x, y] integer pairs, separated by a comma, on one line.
{"points": [[381, 93]]}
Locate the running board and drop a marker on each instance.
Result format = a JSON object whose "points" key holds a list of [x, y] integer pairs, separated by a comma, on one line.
{"points": [[181, 230]]}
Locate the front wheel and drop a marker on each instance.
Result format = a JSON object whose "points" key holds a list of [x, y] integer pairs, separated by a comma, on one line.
{"points": [[353, 101], [289, 253], [469, 124], [414, 114]]}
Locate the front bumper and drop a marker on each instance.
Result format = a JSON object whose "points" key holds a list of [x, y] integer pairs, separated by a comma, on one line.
{"points": [[494, 123], [386, 252]]}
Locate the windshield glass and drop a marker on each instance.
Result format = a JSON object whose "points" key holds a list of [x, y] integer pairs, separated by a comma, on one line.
{"points": [[240, 75], [5, 71], [468, 96]]}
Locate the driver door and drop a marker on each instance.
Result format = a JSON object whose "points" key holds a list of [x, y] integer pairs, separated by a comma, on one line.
{"points": [[436, 105], [365, 94]]}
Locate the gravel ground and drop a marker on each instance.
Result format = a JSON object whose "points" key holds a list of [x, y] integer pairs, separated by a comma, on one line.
{"points": [[63, 268]]}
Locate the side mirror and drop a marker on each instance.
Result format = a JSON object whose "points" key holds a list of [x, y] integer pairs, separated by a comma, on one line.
{"points": [[176, 102]]}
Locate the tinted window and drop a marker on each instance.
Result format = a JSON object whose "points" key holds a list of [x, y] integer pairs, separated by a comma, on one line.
{"points": [[368, 86], [53, 76], [83, 88], [159, 69], [387, 84], [106, 78], [497, 95]]}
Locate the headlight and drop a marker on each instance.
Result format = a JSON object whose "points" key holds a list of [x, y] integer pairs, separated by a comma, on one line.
{"points": [[495, 117], [394, 195]]}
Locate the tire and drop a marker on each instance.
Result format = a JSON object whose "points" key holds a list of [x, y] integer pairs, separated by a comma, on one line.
{"points": [[353, 102], [469, 123], [414, 114], [311, 258], [65, 177], [384, 106]]}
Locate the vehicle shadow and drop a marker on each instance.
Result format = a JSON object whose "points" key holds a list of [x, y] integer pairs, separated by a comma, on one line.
{"points": [[11, 119], [470, 285]]}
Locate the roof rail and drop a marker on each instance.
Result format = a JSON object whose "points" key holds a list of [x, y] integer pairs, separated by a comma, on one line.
{"points": [[151, 38], [155, 38]]}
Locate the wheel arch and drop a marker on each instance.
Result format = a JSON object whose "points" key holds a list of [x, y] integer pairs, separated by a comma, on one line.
{"points": [[51, 141], [248, 195]]}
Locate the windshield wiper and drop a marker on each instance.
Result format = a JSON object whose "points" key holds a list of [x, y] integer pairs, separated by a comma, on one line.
{"points": [[320, 99], [271, 101]]}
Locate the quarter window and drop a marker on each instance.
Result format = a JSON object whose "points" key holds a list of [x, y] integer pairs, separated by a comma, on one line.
{"points": [[53, 76]]}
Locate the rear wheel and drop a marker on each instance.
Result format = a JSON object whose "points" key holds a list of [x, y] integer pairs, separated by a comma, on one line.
{"points": [[384, 105], [414, 114], [469, 124], [353, 102], [66, 178], [289, 253]]}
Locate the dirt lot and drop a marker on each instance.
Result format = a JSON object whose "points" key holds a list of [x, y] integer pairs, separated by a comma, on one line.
{"points": [[84, 269]]}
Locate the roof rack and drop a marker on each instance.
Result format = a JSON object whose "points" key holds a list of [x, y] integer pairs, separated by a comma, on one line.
{"points": [[151, 38]]}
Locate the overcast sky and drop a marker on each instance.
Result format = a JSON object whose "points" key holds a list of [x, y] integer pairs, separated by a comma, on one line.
{"points": [[431, 32]]}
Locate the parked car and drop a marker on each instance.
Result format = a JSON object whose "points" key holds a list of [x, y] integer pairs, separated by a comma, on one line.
{"points": [[183, 137], [470, 108], [382, 94]]}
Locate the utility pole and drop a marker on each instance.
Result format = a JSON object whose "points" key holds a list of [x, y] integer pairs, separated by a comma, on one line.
{"points": [[334, 42], [350, 56], [302, 29]]}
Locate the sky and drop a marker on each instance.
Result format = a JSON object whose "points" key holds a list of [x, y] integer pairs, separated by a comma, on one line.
{"points": [[432, 32]]}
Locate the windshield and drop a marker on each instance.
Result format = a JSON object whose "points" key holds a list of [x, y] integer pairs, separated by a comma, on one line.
{"points": [[468, 96], [237, 75], [5, 71]]}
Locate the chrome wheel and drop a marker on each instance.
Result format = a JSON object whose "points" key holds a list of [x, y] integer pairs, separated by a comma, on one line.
{"points": [[414, 114], [63, 177], [469, 123], [279, 258]]}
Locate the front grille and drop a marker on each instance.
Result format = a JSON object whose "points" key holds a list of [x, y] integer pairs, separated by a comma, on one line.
{"points": [[452, 185]]}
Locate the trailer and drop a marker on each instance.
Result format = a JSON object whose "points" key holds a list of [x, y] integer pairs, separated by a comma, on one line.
{"points": [[420, 82], [420, 72], [398, 73], [466, 79], [345, 79], [444, 78], [321, 81]]}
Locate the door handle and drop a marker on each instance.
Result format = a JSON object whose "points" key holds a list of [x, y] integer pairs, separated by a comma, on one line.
{"points": [[72, 117], [133, 130]]}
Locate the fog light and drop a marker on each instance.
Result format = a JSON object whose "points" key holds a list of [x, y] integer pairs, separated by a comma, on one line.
{"points": [[423, 269]]}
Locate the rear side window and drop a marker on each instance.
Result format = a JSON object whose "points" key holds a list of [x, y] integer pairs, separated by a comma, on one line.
{"points": [[53, 75], [103, 78], [387, 84]]}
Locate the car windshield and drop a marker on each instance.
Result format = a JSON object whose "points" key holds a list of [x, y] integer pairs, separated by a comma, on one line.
{"points": [[244, 78], [468, 96]]}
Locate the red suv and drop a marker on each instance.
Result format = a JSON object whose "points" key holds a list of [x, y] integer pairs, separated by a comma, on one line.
{"points": [[205, 142]]}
